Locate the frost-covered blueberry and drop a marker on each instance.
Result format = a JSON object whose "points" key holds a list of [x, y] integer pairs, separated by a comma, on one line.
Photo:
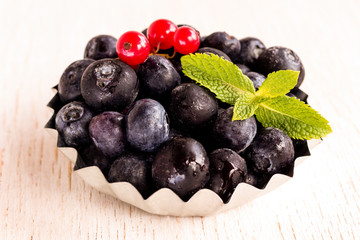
{"points": [[192, 107], [236, 135], [108, 134], [182, 165], [69, 84], [279, 58], [224, 42], [271, 151], [101, 46], [227, 170], [251, 48], [157, 77], [147, 125], [72, 122], [133, 167], [109, 84]]}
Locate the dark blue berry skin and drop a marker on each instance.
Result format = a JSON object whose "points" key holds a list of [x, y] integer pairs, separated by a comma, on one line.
{"points": [[208, 50], [256, 78], [102, 46], [251, 48], [109, 84], [157, 77], [107, 131], [72, 122], [224, 42], [270, 152], [257, 180], [69, 84], [135, 168], [227, 170], [299, 94], [192, 107], [147, 125], [279, 58], [236, 135], [91, 156], [182, 165], [244, 69]]}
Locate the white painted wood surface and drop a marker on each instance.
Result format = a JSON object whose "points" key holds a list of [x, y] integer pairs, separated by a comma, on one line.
{"points": [[40, 197]]}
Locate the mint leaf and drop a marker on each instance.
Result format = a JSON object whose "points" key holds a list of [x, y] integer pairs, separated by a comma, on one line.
{"points": [[245, 106], [218, 75], [294, 117], [278, 83]]}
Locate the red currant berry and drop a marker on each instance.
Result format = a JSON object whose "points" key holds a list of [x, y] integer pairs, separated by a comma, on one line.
{"points": [[133, 48], [186, 40], [161, 34]]}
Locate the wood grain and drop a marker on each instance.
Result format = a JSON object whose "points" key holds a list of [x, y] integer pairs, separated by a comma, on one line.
{"points": [[40, 197]]}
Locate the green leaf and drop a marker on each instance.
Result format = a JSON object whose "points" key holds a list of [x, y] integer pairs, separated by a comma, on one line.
{"points": [[245, 106], [294, 117], [220, 76], [278, 83]]}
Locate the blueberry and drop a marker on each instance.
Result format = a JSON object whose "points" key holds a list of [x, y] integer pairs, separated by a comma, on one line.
{"points": [[72, 122], [69, 84], [192, 107], [108, 134], [102, 46], [182, 165], [256, 78], [227, 170], [224, 42], [257, 180], [279, 58], [109, 84], [133, 167], [271, 151], [208, 50], [299, 94], [244, 69], [157, 77], [236, 135], [91, 156], [251, 48], [147, 125]]}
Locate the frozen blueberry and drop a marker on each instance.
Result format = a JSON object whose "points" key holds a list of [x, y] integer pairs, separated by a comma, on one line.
{"points": [[208, 50], [147, 125], [182, 165], [236, 135], [157, 77], [299, 94], [109, 84], [271, 151], [256, 78], [102, 46], [279, 58], [108, 134], [69, 84], [133, 167], [244, 69], [224, 42], [257, 180], [91, 156], [251, 48], [227, 170], [72, 122], [192, 107]]}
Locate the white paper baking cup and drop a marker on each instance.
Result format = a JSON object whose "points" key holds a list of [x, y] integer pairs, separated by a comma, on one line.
{"points": [[164, 201]]}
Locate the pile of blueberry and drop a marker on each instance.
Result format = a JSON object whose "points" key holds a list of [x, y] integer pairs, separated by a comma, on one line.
{"points": [[128, 109]]}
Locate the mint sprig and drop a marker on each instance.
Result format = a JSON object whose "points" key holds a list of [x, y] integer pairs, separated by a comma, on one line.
{"points": [[270, 105]]}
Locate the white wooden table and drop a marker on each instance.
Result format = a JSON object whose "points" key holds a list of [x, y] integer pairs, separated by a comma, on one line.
{"points": [[40, 197]]}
